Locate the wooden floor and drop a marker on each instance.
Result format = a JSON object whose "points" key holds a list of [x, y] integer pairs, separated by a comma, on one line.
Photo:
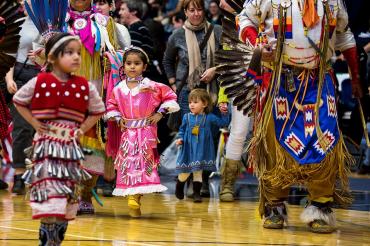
{"points": [[167, 221]]}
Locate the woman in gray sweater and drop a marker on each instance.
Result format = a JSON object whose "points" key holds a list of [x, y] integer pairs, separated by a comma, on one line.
{"points": [[183, 57]]}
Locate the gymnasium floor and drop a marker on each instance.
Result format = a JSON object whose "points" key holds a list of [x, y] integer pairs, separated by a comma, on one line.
{"points": [[167, 221]]}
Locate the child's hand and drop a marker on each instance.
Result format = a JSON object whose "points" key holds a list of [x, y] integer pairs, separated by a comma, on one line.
{"points": [[40, 127], [33, 55], [121, 124], [223, 107], [179, 142], [268, 53], [155, 118], [78, 133], [11, 86], [107, 64]]}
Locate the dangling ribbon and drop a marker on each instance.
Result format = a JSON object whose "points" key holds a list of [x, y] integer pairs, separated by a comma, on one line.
{"points": [[286, 19], [310, 17], [85, 33]]}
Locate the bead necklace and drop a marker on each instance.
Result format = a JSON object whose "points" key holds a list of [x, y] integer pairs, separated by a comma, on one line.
{"points": [[195, 129]]}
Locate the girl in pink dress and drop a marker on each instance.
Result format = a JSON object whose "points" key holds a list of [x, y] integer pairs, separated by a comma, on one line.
{"points": [[137, 104]]}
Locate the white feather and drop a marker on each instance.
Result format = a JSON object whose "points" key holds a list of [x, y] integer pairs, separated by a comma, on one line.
{"points": [[312, 213]]}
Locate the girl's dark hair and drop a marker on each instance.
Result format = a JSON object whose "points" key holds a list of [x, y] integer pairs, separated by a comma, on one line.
{"points": [[60, 50], [109, 2], [202, 95], [138, 52]]}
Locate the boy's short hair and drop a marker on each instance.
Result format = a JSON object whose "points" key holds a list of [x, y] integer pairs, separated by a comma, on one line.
{"points": [[202, 95], [136, 5]]}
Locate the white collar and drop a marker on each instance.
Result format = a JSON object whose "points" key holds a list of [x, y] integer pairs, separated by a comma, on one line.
{"points": [[134, 91]]}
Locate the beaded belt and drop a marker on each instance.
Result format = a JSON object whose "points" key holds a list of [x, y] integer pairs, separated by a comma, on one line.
{"points": [[298, 70], [136, 123], [58, 142], [59, 131]]}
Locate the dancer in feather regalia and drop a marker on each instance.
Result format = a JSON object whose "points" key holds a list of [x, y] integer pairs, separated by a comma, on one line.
{"points": [[232, 63], [9, 41], [296, 137], [98, 34]]}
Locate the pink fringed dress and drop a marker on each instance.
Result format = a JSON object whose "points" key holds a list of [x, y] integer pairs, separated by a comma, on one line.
{"points": [[137, 158]]}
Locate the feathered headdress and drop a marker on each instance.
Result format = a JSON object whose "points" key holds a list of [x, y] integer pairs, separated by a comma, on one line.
{"points": [[9, 34], [49, 16]]}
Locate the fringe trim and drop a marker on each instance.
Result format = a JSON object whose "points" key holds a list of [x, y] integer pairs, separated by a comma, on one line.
{"points": [[312, 213], [91, 67], [89, 142], [109, 171], [171, 106], [111, 29], [272, 164], [146, 189]]}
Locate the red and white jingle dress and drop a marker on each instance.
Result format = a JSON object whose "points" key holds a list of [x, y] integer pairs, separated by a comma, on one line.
{"points": [[56, 157]]}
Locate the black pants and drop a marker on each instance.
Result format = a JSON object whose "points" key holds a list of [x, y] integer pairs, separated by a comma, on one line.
{"points": [[22, 131]]}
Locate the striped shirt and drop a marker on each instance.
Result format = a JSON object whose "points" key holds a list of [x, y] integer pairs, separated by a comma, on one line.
{"points": [[141, 37]]}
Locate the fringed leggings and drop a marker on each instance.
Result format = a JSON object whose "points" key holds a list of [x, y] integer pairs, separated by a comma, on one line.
{"points": [[281, 171]]}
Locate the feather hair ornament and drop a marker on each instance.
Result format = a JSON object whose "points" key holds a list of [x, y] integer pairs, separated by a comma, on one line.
{"points": [[10, 26], [234, 61], [49, 16]]}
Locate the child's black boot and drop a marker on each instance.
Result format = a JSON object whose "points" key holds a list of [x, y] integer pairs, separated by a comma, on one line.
{"points": [[196, 187], [180, 189]]}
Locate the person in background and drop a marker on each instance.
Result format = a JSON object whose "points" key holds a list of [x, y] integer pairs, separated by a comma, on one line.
{"points": [[239, 126], [83, 21], [186, 65], [213, 14], [132, 14], [106, 7], [359, 22], [178, 20], [24, 70]]}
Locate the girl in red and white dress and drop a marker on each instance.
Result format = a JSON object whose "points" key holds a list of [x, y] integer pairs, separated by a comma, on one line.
{"points": [[61, 107]]}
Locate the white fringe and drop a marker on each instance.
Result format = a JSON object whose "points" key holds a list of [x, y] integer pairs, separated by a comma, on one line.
{"points": [[171, 106], [111, 114], [312, 213], [139, 190]]}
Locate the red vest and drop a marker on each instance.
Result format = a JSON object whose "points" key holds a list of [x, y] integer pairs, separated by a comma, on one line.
{"points": [[53, 99]]}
